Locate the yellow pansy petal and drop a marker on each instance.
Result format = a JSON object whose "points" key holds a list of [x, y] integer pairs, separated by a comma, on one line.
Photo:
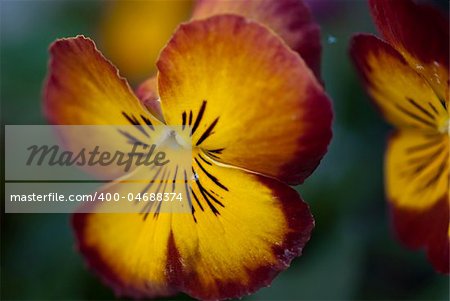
{"points": [[403, 96], [83, 88], [290, 19], [420, 33], [417, 187], [417, 168], [242, 231], [133, 32], [250, 101], [128, 248], [247, 228]]}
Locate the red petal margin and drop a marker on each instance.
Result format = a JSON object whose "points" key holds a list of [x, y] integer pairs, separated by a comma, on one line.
{"points": [[309, 46], [425, 229], [316, 139], [420, 29], [301, 224]]}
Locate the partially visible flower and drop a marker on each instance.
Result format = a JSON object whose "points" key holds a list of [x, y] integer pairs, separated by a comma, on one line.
{"points": [[259, 120], [407, 76], [133, 32]]}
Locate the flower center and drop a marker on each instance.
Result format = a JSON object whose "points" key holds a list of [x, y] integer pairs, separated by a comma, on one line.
{"points": [[174, 139]]}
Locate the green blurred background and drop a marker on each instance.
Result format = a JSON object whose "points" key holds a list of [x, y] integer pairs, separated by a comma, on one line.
{"points": [[352, 254]]}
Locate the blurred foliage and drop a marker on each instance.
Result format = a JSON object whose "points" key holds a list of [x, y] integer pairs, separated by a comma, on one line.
{"points": [[352, 254]]}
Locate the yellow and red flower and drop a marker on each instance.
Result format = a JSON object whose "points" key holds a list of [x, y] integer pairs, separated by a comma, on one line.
{"points": [[407, 76], [260, 120]]}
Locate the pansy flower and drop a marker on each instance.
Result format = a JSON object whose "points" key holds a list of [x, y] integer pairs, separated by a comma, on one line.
{"points": [[406, 74], [259, 119]]}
